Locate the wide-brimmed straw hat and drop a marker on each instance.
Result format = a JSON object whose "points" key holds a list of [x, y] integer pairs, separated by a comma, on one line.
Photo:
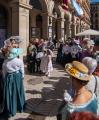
{"points": [[14, 52], [78, 70]]}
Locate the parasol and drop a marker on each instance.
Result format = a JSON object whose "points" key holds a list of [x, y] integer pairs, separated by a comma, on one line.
{"points": [[17, 39]]}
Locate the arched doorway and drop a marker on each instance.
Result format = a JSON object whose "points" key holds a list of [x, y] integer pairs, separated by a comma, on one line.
{"points": [[37, 18], [3, 25], [56, 23]]}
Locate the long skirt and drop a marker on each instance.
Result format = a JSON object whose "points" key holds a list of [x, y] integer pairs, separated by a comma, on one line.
{"points": [[59, 57], [14, 94], [66, 58], [31, 63]]}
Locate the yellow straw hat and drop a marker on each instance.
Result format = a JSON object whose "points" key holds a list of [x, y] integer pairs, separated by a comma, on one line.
{"points": [[77, 70]]}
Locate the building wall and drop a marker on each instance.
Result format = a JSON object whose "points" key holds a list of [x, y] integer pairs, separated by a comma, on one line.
{"points": [[82, 23], [95, 16], [22, 19]]}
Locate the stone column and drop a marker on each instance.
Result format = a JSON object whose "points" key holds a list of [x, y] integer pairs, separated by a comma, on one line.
{"points": [[62, 29], [15, 20], [59, 29], [50, 26], [69, 25], [50, 6], [20, 23], [73, 25], [68, 29], [79, 28]]}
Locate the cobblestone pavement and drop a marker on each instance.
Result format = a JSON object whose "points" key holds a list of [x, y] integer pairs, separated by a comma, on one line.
{"points": [[44, 95]]}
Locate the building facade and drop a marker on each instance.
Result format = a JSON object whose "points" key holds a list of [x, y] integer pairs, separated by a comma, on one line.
{"points": [[42, 19], [95, 15]]}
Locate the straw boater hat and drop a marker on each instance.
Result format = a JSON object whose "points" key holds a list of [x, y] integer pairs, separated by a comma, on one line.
{"points": [[77, 70]]}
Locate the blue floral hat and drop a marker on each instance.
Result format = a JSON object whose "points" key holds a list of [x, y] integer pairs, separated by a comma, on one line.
{"points": [[14, 52], [78, 70]]}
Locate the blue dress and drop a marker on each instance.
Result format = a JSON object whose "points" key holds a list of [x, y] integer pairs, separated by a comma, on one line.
{"points": [[90, 106], [14, 93]]}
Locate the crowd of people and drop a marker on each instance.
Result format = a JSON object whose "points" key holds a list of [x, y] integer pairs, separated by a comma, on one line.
{"points": [[83, 94], [39, 59], [74, 49], [77, 57], [82, 97], [12, 96], [39, 56]]}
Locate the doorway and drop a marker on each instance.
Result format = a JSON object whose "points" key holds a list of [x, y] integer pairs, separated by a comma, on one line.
{"points": [[39, 25], [3, 25]]}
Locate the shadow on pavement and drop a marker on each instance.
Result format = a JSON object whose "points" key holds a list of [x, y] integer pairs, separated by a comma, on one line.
{"points": [[51, 97]]}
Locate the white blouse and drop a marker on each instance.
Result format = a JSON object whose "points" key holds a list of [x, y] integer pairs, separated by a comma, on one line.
{"points": [[13, 65], [75, 49]]}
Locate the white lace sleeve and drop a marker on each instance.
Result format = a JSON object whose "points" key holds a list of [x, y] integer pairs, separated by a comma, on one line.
{"points": [[4, 71]]}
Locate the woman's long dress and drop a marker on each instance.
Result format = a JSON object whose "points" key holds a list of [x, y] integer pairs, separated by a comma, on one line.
{"points": [[44, 63], [14, 97], [50, 65]]}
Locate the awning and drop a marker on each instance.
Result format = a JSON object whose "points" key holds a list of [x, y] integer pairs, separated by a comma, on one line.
{"points": [[88, 33]]}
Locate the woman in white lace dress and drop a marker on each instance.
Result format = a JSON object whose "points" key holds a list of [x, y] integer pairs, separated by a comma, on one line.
{"points": [[49, 65], [46, 63]]}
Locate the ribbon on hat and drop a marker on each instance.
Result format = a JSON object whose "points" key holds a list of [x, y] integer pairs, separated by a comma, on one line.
{"points": [[74, 72]]}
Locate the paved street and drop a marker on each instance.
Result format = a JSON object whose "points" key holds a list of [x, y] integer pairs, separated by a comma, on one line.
{"points": [[44, 95]]}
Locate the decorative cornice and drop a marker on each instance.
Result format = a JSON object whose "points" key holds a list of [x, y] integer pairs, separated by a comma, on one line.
{"points": [[25, 5], [18, 3]]}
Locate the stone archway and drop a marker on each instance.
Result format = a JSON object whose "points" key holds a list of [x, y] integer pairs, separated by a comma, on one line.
{"points": [[58, 23], [68, 18], [39, 10], [41, 3]]}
